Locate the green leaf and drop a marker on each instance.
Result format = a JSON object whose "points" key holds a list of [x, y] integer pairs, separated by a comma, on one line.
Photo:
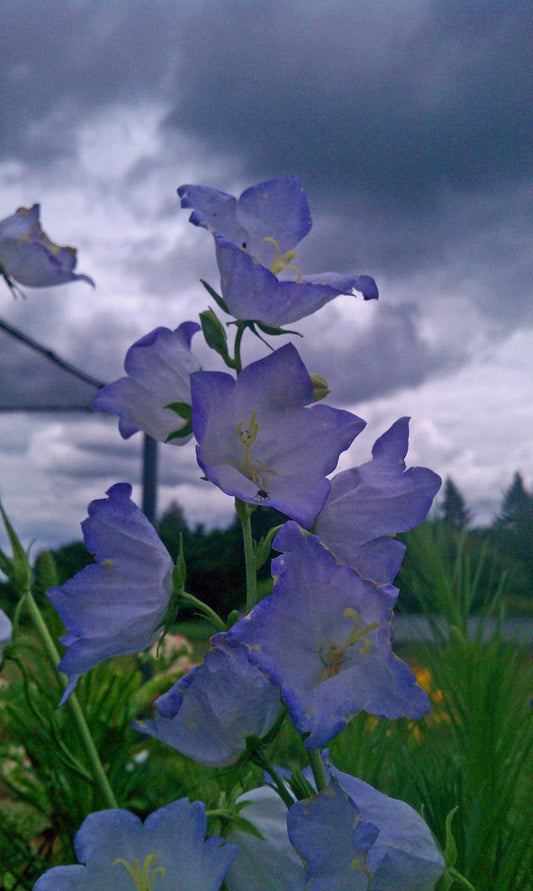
{"points": [[301, 787], [180, 434], [275, 332], [215, 334], [216, 297], [183, 409], [263, 547], [20, 567], [179, 573]]}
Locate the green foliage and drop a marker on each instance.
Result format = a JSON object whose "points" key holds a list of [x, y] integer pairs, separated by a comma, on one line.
{"points": [[450, 573]]}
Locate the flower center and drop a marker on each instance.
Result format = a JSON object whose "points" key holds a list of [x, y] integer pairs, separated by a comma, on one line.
{"points": [[253, 468], [284, 262], [142, 879], [332, 657]]}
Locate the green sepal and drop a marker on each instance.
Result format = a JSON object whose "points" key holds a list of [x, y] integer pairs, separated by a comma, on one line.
{"points": [[300, 787], [183, 409], [263, 547], [179, 573], [13, 287], [450, 850], [180, 434], [233, 618], [273, 331], [216, 297], [47, 574], [244, 825], [215, 334], [451, 875], [19, 565]]}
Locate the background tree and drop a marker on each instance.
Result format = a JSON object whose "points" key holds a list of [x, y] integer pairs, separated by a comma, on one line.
{"points": [[513, 527], [453, 510]]}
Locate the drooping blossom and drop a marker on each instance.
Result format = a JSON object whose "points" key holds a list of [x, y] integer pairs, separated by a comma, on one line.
{"points": [[255, 239], [348, 836], [116, 606], [158, 369], [28, 257], [353, 837], [208, 713], [259, 440], [369, 503], [166, 852], [270, 863], [323, 636]]}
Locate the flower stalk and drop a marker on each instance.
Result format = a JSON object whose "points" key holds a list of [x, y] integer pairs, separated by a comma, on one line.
{"points": [[244, 511]]}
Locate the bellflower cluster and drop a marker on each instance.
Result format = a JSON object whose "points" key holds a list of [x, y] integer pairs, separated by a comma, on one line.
{"points": [[315, 651], [28, 257]]}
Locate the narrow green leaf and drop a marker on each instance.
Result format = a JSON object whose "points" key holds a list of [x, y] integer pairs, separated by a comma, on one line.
{"points": [[216, 297]]}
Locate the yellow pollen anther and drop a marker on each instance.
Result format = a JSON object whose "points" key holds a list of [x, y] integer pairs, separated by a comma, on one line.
{"points": [[332, 657], [284, 262], [143, 881], [108, 563], [359, 634], [253, 468]]}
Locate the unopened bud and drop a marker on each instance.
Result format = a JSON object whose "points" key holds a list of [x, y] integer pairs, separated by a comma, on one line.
{"points": [[320, 387]]}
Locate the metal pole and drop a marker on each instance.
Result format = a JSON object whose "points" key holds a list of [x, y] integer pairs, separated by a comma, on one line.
{"points": [[149, 478]]}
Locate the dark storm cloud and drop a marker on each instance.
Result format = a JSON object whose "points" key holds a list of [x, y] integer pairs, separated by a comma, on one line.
{"points": [[62, 60], [409, 122], [399, 99]]}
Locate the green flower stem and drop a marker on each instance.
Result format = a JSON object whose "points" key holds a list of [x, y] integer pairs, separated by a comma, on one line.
{"points": [[317, 766], [244, 513], [72, 703], [262, 761], [237, 362], [214, 618]]}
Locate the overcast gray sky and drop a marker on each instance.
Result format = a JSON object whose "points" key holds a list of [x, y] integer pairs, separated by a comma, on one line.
{"points": [[410, 125]]}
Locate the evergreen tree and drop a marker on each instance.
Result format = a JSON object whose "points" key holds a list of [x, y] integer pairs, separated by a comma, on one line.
{"points": [[169, 527], [513, 527], [453, 510], [517, 506]]}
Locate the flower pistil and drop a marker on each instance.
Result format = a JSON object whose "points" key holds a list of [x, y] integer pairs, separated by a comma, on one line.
{"points": [[284, 262], [143, 880], [253, 468], [332, 657]]}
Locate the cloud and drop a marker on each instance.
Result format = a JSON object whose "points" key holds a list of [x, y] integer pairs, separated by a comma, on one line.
{"points": [[403, 99], [410, 124]]}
